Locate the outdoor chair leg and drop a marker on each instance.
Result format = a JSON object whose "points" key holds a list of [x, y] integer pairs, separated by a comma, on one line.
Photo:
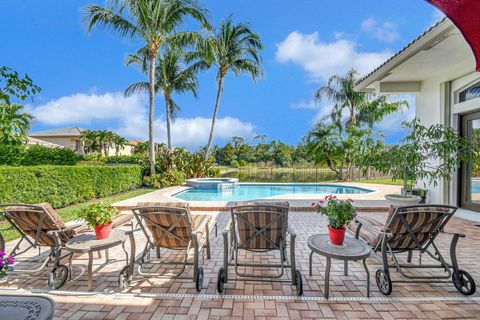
{"points": [[158, 252], [293, 267], [310, 263], [195, 257], [409, 258], [453, 252], [225, 254], [345, 267], [207, 235]]}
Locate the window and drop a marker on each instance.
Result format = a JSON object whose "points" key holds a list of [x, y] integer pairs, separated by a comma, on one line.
{"points": [[470, 93]]}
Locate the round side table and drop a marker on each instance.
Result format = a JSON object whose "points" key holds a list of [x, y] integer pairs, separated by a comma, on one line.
{"points": [[88, 243], [351, 250]]}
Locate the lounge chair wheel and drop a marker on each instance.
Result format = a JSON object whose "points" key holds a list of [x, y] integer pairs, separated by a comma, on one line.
{"points": [[124, 278], [465, 284], [383, 282], [221, 279], [58, 277], [199, 279], [299, 282]]}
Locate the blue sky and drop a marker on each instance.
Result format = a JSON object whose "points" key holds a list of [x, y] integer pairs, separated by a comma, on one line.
{"points": [[82, 75]]}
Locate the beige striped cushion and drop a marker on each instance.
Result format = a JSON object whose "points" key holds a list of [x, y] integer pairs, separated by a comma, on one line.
{"points": [[165, 215], [260, 215], [28, 218]]}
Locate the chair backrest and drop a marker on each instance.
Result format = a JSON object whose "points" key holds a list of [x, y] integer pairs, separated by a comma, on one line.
{"points": [[169, 225], [34, 221], [413, 227], [260, 226]]}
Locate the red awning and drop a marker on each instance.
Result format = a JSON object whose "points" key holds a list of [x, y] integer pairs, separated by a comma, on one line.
{"points": [[465, 14]]}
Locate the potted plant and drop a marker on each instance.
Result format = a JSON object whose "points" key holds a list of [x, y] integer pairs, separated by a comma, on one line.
{"points": [[99, 216], [426, 154], [6, 263], [339, 214]]}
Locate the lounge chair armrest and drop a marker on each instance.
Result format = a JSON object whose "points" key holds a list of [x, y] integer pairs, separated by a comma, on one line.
{"points": [[461, 235]]}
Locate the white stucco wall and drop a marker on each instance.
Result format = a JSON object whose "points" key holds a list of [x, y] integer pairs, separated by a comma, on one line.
{"points": [[428, 109]]}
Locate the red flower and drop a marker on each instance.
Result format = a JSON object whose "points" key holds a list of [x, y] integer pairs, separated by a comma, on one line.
{"points": [[314, 204], [350, 200], [321, 201]]}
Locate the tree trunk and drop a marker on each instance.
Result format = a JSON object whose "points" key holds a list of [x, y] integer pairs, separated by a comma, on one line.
{"points": [[168, 116], [151, 113], [217, 102]]}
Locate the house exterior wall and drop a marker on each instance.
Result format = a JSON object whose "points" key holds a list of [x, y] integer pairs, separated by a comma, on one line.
{"points": [[67, 142], [437, 103]]}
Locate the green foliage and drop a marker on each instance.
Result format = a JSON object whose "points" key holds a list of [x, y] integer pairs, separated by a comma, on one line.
{"points": [[192, 164], [100, 141], [133, 159], [426, 153], [165, 179], [14, 123], [35, 155], [11, 155], [64, 185], [98, 214], [338, 212]]}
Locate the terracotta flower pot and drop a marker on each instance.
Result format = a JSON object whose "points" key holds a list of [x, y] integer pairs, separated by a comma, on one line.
{"points": [[337, 235], [103, 231]]}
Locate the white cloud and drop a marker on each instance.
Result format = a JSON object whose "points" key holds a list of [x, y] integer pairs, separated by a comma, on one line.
{"points": [[84, 108], [311, 105], [129, 117], [189, 132], [324, 59], [385, 31]]}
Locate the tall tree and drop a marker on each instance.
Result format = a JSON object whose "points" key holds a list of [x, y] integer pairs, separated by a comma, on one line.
{"points": [[156, 23], [119, 143], [339, 90], [172, 75], [376, 110], [232, 47]]}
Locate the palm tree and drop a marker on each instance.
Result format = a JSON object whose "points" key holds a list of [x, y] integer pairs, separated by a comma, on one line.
{"points": [[156, 23], [377, 109], [14, 124], [339, 89], [91, 141], [232, 47], [119, 143], [172, 75]]}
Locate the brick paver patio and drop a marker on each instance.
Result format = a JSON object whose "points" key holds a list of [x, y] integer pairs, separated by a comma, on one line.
{"points": [[154, 298]]}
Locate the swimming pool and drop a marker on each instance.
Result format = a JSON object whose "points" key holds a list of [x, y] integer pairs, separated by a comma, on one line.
{"points": [[245, 191]]}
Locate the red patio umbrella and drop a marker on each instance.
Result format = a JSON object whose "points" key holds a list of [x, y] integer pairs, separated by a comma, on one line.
{"points": [[465, 14]]}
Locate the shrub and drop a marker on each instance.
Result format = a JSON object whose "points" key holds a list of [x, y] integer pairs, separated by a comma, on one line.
{"points": [[192, 164], [65, 185], [165, 179], [235, 164], [93, 156], [98, 214], [36, 155], [11, 155], [133, 159]]}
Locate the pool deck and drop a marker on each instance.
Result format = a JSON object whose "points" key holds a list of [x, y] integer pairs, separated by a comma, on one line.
{"points": [[373, 201]]}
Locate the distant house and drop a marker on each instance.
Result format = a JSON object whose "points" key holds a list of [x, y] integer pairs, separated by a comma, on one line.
{"points": [[32, 141], [67, 137], [71, 138]]}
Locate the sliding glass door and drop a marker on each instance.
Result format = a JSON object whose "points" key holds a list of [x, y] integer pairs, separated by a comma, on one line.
{"points": [[470, 178]]}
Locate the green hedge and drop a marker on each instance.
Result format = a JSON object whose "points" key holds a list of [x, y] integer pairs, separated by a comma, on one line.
{"points": [[36, 155], [65, 185], [133, 159]]}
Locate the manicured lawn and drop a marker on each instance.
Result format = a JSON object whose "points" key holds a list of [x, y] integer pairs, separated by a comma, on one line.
{"points": [[382, 181], [70, 213]]}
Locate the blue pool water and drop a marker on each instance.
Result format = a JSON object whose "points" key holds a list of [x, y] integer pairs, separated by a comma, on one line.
{"points": [[244, 192]]}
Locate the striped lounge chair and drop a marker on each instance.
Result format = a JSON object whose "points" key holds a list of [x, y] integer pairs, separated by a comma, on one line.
{"points": [[171, 226], [259, 227], [39, 227], [410, 229]]}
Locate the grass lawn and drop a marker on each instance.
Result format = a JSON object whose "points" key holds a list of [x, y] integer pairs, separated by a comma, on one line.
{"points": [[382, 181], [70, 213]]}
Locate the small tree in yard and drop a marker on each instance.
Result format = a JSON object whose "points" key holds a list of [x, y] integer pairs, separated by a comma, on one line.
{"points": [[426, 153]]}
